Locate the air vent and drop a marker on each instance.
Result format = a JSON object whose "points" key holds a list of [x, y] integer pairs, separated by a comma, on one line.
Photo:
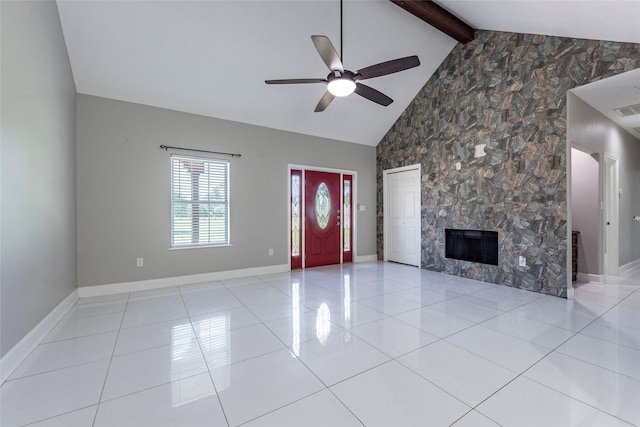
{"points": [[629, 110]]}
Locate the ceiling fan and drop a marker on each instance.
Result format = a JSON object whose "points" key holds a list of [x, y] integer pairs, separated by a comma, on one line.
{"points": [[341, 82]]}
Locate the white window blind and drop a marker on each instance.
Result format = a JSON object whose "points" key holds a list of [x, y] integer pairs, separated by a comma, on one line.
{"points": [[199, 201]]}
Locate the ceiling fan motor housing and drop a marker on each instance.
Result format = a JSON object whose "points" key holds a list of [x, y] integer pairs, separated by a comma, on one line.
{"points": [[346, 74]]}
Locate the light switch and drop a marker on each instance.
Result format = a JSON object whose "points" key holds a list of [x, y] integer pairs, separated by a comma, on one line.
{"points": [[479, 152]]}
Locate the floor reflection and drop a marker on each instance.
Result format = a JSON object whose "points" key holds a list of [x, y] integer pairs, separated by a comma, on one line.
{"points": [[189, 390], [323, 323], [347, 300], [215, 342], [295, 318], [184, 354]]}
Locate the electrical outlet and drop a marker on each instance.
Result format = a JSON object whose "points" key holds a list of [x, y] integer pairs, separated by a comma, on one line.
{"points": [[139, 262], [458, 166], [522, 261], [270, 251]]}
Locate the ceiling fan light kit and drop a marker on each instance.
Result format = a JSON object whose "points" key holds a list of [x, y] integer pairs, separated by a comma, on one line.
{"points": [[341, 82]]}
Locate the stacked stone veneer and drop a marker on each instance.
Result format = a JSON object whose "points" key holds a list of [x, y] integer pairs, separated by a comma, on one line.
{"points": [[507, 91]]}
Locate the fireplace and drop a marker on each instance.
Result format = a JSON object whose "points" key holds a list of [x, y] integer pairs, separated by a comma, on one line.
{"points": [[472, 245]]}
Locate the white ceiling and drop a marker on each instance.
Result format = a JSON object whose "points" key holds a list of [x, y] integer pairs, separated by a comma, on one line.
{"points": [[613, 20], [212, 57], [615, 92]]}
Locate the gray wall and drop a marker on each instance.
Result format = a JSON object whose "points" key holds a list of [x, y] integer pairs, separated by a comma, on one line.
{"points": [[123, 183], [585, 209], [38, 191], [592, 130], [507, 91]]}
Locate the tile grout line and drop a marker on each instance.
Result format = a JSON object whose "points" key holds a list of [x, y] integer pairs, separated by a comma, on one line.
{"points": [[149, 388], [296, 356], [440, 339], [330, 277], [298, 400], [95, 417], [394, 359], [574, 333], [328, 388], [594, 364], [206, 363], [474, 408], [80, 336], [35, 374], [544, 385], [63, 319], [59, 415]]}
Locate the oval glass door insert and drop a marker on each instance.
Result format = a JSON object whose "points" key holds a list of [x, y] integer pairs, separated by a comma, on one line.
{"points": [[323, 205]]}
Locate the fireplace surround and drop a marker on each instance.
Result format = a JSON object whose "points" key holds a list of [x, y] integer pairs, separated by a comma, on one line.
{"points": [[472, 245]]}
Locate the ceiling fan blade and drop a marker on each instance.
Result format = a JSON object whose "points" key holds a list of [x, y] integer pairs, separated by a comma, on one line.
{"points": [[293, 81], [324, 102], [389, 67], [372, 95], [327, 52]]}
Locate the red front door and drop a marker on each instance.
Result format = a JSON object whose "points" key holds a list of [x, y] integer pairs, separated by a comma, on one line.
{"points": [[322, 218]]}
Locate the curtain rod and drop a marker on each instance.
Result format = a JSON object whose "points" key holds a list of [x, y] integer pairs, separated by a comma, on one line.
{"points": [[166, 147]]}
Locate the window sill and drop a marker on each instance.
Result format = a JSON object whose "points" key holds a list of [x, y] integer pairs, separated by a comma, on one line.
{"points": [[180, 248]]}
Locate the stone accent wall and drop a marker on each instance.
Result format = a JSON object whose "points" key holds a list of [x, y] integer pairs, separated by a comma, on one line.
{"points": [[507, 91]]}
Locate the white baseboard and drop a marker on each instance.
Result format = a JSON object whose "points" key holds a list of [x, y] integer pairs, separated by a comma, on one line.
{"points": [[588, 277], [12, 359], [600, 278], [623, 269], [367, 258], [144, 285], [570, 292]]}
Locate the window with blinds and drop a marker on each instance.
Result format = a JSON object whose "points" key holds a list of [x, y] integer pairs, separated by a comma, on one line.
{"points": [[199, 202]]}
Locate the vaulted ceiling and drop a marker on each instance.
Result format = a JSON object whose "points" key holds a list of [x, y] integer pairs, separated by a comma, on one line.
{"points": [[212, 57]]}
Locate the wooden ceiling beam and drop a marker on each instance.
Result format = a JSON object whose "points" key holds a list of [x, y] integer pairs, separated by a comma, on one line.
{"points": [[439, 18]]}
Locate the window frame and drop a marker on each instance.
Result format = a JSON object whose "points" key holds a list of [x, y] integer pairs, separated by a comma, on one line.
{"points": [[227, 202]]}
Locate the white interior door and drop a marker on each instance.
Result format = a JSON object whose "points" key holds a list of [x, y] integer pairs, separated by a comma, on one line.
{"points": [[611, 220], [402, 216]]}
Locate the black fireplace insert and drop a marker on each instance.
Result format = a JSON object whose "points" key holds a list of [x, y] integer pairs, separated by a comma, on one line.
{"points": [[472, 245]]}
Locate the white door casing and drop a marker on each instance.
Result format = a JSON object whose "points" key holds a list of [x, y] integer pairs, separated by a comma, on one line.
{"points": [[611, 226], [402, 222]]}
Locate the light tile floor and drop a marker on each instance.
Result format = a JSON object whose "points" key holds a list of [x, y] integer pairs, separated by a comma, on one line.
{"points": [[373, 344]]}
